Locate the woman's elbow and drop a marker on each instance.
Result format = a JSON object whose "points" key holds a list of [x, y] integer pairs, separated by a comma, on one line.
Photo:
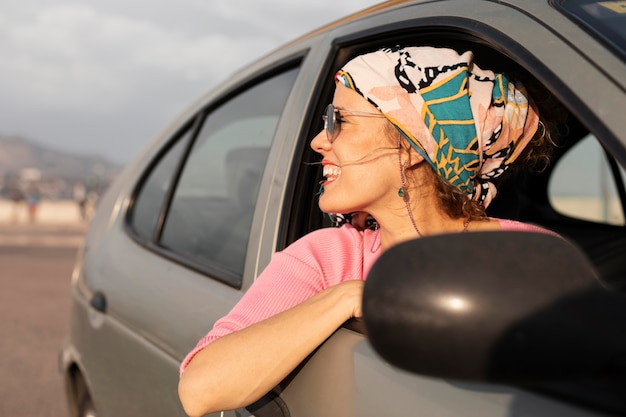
{"points": [[189, 405], [194, 403]]}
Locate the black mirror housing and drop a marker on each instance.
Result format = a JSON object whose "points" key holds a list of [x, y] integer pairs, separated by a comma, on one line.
{"points": [[506, 307]]}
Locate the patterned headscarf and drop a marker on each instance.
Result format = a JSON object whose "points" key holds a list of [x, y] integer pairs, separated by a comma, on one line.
{"points": [[469, 124]]}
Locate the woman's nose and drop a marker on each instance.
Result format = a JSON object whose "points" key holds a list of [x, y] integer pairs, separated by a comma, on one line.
{"points": [[320, 143]]}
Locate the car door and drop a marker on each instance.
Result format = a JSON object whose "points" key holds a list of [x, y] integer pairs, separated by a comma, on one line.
{"points": [[176, 250], [344, 376]]}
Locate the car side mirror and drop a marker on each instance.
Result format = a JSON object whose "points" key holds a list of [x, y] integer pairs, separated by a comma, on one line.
{"points": [[504, 307]]}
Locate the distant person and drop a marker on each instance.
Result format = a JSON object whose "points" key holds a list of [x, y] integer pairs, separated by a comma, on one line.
{"points": [[91, 203], [80, 196], [33, 198], [17, 197]]}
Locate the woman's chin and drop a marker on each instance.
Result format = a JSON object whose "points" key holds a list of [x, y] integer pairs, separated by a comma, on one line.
{"points": [[326, 205], [330, 207]]}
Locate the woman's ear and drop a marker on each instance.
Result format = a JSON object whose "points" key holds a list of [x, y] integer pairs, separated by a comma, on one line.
{"points": [[414, 158]]}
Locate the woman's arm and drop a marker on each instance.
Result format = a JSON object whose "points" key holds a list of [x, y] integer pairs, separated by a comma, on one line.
{"points": [[239, 368]]}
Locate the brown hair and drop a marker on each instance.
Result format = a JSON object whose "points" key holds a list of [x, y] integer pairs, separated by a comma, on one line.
{"points": [[457, 204]]}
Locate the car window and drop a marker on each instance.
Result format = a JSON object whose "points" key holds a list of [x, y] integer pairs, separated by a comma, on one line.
{"points": [[210, 215], [149, 201], [583, 186], [603, 19]]}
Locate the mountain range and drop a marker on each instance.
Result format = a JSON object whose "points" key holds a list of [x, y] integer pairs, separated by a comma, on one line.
{"points": [[26, 166], [18, 154]]}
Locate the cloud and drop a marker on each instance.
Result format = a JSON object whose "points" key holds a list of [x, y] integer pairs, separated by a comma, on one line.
{"points": [[72, 56], [105, 76], [280, 17]]}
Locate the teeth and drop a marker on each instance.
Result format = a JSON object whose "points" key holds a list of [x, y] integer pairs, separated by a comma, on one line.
{"points": [[331, 171]]}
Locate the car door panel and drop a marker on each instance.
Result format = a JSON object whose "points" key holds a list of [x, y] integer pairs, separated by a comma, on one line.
{"points": [[346, 377]]}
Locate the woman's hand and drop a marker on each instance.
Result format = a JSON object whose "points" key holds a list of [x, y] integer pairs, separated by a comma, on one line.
{"points": [[351, 295]]}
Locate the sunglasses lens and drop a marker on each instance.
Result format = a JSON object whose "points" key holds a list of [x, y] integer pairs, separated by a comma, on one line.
{"points": [[330, 123]]}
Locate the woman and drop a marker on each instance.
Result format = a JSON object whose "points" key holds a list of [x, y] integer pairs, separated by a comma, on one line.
{"points": [[413, 138]]}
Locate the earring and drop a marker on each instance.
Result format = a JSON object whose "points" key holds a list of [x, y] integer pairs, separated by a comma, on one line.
{"points": [[401, 191]]}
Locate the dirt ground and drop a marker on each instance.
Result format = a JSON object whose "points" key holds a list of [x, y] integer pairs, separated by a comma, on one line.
{"points": [[36, 261]]}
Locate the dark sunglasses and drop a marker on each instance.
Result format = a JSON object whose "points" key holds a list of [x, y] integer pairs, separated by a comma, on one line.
{"points": [[332, 120]]}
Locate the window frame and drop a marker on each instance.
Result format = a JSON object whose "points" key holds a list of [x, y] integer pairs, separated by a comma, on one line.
{"points": [[618, 178], [459, 29]]}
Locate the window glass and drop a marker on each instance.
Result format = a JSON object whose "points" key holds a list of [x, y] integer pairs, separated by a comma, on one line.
{"points": [[149, 201], [211, 213], [604, 19], [582, 185]]}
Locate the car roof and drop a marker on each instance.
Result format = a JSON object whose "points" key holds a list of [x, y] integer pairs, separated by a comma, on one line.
{"points": [[573, 10]]}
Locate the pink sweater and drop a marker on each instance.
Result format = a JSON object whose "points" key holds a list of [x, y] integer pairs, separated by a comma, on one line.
{"points": [[317, 261]]}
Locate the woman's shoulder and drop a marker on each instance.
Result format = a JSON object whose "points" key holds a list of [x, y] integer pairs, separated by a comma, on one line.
{"points": [[514, 225], [329, 239], [336, 252]]}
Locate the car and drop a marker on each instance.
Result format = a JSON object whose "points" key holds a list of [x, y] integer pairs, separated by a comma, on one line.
{"points": [[184, 230]]}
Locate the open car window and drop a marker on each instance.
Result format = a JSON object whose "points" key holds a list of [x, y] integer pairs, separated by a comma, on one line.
{"points": [[551, 198]]}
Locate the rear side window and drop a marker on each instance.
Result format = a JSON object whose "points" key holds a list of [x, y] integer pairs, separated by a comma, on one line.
{"points": [[150, 200], [205, 219]]}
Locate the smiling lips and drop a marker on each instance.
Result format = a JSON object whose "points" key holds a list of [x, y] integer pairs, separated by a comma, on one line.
{"points": [[331, 172]]}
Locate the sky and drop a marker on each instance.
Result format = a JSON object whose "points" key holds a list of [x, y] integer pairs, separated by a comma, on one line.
{"points": [[105, 77]]}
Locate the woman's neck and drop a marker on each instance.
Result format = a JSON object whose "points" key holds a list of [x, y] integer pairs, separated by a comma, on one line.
{"points": [[396, 226]]}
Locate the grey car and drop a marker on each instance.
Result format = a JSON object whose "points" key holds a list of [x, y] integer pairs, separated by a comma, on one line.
{"points": [[187, 226]]}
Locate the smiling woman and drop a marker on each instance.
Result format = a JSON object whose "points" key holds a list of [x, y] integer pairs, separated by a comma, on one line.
{"points": [[414, 138], [210, 275]]}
